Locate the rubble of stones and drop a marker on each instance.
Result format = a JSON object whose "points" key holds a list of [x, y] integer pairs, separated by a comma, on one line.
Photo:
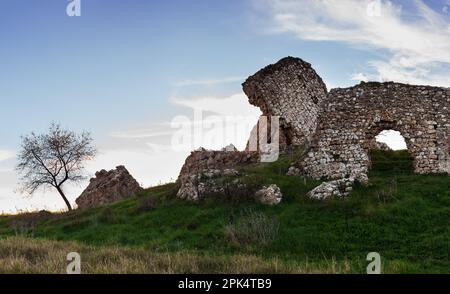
{"points": [[208, 173], [107, 187], [270, 195], [338, 127], [201, 160], [197, 186]]}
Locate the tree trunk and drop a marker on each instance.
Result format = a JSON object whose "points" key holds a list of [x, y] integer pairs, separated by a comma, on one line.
{"points": [[64, 198]]}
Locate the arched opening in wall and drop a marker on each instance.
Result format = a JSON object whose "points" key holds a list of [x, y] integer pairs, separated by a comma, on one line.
{"points": [[390, 153], [392, 139]]}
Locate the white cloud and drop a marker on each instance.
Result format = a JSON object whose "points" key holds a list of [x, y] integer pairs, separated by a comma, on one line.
{"points": [[360, 77], [393, 139], [416, 37], [208, 82], [213, 123], [139, 134], [150, 167], [6, 154], [12, 201], [236, 105]]}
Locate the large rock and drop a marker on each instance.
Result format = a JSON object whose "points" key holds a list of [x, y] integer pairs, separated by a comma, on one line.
{"points": [[270, 195], [107, 187], [336, 188]]}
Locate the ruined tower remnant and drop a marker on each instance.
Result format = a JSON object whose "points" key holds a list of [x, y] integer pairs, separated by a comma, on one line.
{"points": [[292, 90]]}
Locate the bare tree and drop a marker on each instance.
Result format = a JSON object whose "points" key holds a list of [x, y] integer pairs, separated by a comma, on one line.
{"points": [[52, 159]]}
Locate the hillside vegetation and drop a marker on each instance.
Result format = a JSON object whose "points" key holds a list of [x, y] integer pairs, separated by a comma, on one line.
{"points": [[401, 215]]}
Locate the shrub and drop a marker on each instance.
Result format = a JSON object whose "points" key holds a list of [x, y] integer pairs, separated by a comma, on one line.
{"points": [[233, 190], [243, 190], [252, 228]]}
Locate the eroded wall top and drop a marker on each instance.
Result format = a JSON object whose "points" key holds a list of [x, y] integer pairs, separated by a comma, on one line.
{"points": [[292, 90]]}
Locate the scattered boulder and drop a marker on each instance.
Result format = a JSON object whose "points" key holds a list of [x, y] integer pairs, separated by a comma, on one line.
{"points": [[336, 188], [107, 187], [270, 195]]}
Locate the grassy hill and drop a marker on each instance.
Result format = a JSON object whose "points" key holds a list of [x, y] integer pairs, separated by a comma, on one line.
{"points": [[401, 215]]}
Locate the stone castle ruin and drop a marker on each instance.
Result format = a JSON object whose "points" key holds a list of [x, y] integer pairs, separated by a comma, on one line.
{"points": [[351, 118], [339, 127], [287, 89]]}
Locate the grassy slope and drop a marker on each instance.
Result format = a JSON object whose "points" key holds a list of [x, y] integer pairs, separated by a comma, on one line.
{"points": [[403, 216]]}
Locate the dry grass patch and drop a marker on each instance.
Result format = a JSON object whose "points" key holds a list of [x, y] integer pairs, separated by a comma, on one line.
{"points": [[22, 255]]}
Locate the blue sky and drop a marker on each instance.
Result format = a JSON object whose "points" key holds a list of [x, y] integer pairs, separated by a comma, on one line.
{"points": [[123, 69]]}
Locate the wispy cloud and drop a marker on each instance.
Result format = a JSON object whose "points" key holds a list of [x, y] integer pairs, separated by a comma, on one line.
{"points": [[6, 154], [139, 134], [222, 120], [236, 105], [416, 38], [208, 82], [446, 7]]}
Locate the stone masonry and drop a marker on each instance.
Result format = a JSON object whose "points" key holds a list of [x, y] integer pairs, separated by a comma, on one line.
{"points": [[107, 187], [352, 118], [292, 90], [339, 127], [202, 167]]}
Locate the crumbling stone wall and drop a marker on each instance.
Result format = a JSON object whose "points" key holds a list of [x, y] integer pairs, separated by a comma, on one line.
{"points": [[338, 127], [206, 160], [352, 117], [202, 167], [292, 90]]}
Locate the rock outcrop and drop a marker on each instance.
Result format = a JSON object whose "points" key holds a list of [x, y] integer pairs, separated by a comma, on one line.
{"points": [[107, 187]]}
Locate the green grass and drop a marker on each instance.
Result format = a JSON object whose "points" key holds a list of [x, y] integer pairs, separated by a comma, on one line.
{"points": [[401, 215]]}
